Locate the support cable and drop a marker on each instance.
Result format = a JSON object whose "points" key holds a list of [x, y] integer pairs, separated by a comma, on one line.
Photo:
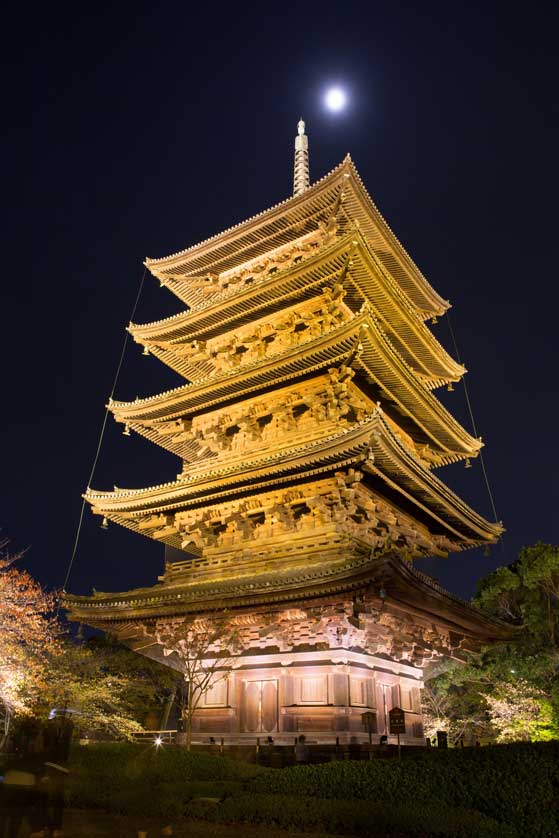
{"points": [[473, 421], [102, 433]]}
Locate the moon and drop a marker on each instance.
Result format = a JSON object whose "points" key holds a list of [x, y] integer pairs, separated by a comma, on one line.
{"points": [[335, 99]]}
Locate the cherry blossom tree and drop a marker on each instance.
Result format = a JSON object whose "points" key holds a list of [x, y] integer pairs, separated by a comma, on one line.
{"points": [[204, 649], [29, 638]]}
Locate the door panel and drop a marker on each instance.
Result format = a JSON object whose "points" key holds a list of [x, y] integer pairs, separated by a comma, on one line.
{"points": [[252, 707], [387, 704], [260, 707], [269, 705]]}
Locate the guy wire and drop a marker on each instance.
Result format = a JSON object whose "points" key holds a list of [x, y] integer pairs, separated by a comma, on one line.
{"points": [[473, 421], [102, 433]]}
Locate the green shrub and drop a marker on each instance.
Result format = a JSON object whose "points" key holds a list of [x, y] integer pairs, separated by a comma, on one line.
{"points": [[427, 793], [125, 762], [140, 780], [517, 784], [354, 817]]}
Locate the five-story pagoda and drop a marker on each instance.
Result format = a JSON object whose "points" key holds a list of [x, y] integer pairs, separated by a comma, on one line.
{"points": [[308, 436]]}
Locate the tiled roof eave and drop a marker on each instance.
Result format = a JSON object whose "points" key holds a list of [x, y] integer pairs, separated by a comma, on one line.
{"points": [[138, 605], [416, 285], [225, 308], [349, 447], [188, 398]]}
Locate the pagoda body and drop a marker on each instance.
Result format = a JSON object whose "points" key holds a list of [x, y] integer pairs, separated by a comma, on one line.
{"points": [[309, 440]]}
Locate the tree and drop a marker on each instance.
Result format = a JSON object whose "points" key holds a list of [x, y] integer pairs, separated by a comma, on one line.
{"points": [[204, 649], [539, 572], [527, 593], [443, 710], [521, 711], [454, 701], [107, 687], [510, 691], [29, 638]]}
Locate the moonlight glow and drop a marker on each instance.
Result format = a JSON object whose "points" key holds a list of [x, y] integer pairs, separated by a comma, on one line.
{"points": [[335, 99]]}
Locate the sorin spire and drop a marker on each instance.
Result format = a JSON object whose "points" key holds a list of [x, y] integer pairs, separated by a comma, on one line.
{"points": [[301, 168]]}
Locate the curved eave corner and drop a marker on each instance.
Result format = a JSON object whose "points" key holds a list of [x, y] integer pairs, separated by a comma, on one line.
{"points": [[405, 588], [468, 616], [123, 506], [160, 263], [375, 340], [424, 295], [437, 305]]}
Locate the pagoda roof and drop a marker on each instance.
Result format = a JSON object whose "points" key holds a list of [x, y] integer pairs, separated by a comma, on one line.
{"points": [[367, 280], [407, 590], [360, 342], [292, 218], [371, 444]]}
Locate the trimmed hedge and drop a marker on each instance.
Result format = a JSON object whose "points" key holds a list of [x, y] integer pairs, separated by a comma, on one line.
{"points": [[353, 817], [139, 779], [514, 784], [507, 790], [124, 762]]}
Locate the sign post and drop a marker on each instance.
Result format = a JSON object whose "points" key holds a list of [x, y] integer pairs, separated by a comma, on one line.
{"points": [[369, 721], [397, 725]]}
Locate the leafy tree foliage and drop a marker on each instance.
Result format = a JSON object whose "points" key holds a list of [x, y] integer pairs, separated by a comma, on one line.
{"points": [[109, 689], [204, 649], [29, 638], [511, 690], [527, 592]]}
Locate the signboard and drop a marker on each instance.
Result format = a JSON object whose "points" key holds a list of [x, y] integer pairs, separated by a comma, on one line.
{"points": [[396, 721]]}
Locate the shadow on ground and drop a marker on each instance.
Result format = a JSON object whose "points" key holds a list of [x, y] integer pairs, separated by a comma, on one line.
{"points": [[92, 824]]}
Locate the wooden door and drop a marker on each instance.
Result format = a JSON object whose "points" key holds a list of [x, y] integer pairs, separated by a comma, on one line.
{"points": [[387, 705], [260, 706]]}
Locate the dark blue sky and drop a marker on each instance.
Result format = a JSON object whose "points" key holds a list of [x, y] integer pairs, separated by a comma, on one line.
{"points": [[139, 129]]}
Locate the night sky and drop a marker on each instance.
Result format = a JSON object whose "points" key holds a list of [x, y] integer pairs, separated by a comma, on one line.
{"points": [[136, 130]]}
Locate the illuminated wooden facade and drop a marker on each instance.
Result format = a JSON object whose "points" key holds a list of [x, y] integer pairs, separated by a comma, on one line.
{"points": [[308, 433]]}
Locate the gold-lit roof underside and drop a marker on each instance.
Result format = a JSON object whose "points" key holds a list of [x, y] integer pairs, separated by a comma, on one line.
{"points": [[378, 361], [371, 444], [422, 596], [295, 217], [366, 281]]}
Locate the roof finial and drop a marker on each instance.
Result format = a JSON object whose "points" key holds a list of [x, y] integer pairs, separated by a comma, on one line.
{"points": [[301, 170]]}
